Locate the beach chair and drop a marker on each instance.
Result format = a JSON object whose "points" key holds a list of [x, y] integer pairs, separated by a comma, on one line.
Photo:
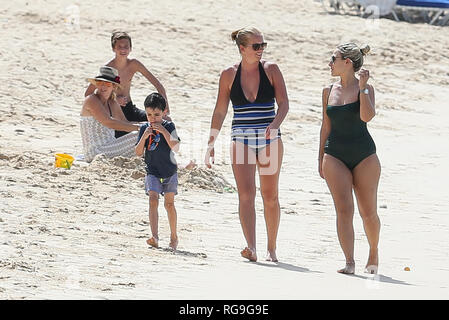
{"points": [[342, 6], [364, 8], [434, 12]]}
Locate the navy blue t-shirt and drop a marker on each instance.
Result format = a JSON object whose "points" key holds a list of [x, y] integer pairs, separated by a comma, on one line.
{"points": [[161, 161]]}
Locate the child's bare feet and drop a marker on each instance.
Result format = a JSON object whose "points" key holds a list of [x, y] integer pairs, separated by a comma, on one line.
{"points": [[271, 256], [173, 243], [153, 242], [348, 269], [249, 254]]}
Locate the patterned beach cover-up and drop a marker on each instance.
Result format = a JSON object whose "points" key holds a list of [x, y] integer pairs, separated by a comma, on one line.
{"points": [[99, 139]]}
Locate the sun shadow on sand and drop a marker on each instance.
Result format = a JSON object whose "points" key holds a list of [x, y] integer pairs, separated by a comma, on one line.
{"points": [[181, 252], [285, 266], [381, 278]]}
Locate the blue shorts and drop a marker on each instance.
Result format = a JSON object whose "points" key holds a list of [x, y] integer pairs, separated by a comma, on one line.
{"points": [[161, 185]]}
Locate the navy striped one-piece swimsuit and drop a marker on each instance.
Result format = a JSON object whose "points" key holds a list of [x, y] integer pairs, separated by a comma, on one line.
{"points": [[251, 119]]}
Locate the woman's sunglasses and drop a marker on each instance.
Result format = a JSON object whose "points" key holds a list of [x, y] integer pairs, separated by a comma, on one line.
{"points": [[103, 83], [333, 58], [153, 143], [258, 46]]}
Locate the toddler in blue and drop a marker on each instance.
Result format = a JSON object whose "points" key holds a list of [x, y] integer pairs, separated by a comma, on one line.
{"points": [[158, 141]]}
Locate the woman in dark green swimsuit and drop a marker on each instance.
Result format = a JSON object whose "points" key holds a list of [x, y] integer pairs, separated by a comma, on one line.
{"points": [[347, 154]]}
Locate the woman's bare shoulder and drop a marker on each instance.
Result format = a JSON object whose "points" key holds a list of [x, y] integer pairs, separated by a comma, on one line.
{"points": [[328, 87], [91, 99], [228, 73], [90, 102], [271, 69], [270, 66], [231, 69]]}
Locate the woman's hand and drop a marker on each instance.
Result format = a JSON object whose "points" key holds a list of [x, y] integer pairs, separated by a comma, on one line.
{"points": [[320, 168], [363, 80], [210, 154], [271, 132]]}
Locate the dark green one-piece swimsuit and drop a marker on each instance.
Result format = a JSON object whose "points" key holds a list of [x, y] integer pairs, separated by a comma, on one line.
{"points": [[349, 139]]}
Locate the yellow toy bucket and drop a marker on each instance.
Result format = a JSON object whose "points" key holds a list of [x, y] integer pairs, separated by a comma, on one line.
{"points": [[63, 160]]}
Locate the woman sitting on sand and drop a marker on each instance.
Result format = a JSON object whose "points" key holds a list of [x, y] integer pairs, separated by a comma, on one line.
{"points": [[347, 153], [101, 115], [253, 86]]}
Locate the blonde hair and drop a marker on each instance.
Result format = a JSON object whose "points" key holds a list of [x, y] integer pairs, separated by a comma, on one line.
{"points": [[241, 36], [113, 95], [351, 51]]}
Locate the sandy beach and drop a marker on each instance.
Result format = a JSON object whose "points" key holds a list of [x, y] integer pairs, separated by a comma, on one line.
{"points": [[80, 233]]}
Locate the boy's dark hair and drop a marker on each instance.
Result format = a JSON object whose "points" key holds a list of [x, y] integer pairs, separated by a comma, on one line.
{"points": [[118, 35], [155, 101]]}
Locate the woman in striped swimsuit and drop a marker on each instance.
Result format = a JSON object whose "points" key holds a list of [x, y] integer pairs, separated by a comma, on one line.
{"points": [[253, 86]]}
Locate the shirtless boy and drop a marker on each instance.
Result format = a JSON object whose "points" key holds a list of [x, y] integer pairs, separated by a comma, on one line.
{"points": [[122, 46]]}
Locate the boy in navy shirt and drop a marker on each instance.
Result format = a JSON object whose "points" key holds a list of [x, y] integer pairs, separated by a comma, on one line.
{"points": [[158, 140]]}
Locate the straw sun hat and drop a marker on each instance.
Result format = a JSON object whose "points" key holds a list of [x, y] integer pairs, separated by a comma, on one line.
{"points": [[107, 74]]}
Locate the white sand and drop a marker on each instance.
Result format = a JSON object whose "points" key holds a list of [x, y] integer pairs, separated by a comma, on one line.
{"points": [[81, 233]]}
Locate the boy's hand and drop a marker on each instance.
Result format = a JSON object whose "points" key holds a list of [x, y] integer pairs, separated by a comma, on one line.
{"points": [[158, 127], [148, 131]]}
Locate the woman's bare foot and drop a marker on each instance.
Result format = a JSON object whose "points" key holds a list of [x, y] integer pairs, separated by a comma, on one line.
{"points": [[371, 269], [373, 262], [271, 256], [154, 242], [173, 243], [348, 269], [249, 254]]}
